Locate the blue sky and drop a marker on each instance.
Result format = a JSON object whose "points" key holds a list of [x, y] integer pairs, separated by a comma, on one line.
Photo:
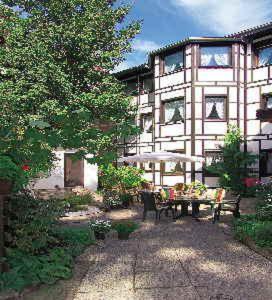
{"points": [[167, 21]]}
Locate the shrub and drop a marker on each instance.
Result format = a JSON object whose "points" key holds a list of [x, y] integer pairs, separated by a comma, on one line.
{"points": [[121, 178], [28, 269], [264, 195], [76, 202], [33, 222], [125, 227]]}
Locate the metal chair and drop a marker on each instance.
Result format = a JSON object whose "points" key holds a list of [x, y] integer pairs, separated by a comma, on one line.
{"points": [[149, 201], [232, 205]]}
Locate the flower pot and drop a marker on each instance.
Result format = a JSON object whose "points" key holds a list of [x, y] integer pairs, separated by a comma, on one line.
{"points": [[123, 235], [5, 187], [99, 235]]}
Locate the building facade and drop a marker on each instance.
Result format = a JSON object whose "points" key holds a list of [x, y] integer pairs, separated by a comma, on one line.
{"points": [[189, 92]]}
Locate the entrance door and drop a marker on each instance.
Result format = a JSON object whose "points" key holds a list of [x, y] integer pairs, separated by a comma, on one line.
{"points": [[73, 171]]}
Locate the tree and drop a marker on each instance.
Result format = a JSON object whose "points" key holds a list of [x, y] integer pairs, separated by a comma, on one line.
{"points": [[232, 169], [57, 87]]}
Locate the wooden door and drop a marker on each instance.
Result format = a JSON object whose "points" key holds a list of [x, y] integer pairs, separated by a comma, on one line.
{"points": [[73, 171]]}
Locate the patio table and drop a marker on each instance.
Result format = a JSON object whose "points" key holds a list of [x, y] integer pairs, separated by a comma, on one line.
{"points": [[185, 201]]}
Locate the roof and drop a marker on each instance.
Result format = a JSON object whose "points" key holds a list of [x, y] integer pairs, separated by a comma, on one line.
{"points": [[133, 70], [251, 31]]}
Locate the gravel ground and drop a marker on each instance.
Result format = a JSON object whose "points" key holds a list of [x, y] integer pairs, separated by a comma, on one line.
{"points": [[181, 260]]}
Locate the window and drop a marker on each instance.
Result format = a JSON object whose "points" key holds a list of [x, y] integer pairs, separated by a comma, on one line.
{"points": [[264, 56], [173, 62], [266, 162], [211, 157], [215, 56], [147, 84], [173, 168], [174, 111], [147, 167], [132, 87], [146, 123], [267, 101], [215, 108]]}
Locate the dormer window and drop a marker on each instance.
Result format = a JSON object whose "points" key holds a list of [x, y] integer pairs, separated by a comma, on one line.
{"points": [[213, 56], [173, 62]]}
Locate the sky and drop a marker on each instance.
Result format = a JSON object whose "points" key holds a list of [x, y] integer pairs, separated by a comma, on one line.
{"points": [[168, 21]]}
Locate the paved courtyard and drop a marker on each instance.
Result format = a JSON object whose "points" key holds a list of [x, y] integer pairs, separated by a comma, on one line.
{"points": [[181, 260]]}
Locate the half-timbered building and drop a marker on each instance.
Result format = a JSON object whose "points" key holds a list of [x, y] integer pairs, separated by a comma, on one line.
{"points": [[190, 91]]}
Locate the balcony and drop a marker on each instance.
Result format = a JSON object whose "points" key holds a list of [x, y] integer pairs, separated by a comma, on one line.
{"points": [[264, 115]]}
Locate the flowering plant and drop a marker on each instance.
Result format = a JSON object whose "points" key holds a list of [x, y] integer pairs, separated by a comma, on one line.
{"points": [[100, 226]]}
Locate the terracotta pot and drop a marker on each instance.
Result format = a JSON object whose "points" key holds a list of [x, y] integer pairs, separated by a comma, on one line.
{"points": [[99, 235], [123, 235], [5, 187]]}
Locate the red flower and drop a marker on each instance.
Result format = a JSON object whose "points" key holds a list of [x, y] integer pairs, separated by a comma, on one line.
{"points": [[25, 168], [250, 181]]}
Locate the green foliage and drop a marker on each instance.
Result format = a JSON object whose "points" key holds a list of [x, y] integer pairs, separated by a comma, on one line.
{"points": [[233, 168], [125, 227], [57, 87], [264, 206], [28, 269], [251, 226], [121, 178], [78, 202], [198, 186], [33, 222]]}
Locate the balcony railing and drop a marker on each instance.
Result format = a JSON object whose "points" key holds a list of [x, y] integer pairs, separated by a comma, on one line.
{"points": [[264, 115]]}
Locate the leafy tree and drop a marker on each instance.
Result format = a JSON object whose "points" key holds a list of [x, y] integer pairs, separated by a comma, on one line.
{"points": [[232, 169], [57, 87]]}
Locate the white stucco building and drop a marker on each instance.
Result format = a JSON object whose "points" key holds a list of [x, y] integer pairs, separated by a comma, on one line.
{"points": [[190, 91]]}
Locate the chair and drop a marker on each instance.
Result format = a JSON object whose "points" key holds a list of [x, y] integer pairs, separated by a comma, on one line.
{"points": [[232, 205], [149, 201]]}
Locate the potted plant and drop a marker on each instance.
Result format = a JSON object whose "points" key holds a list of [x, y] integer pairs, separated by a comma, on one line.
{"points": [[100, 228], [124, 229], [9, 172]]}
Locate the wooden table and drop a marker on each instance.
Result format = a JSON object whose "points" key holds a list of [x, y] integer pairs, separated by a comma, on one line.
{"points": [[185, 201]]}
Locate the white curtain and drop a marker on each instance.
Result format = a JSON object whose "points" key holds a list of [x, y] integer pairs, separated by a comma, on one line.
{"points": [[269, 102], [147, 123], [215, 106], [173, 62], [215, 56], [170, 108]]}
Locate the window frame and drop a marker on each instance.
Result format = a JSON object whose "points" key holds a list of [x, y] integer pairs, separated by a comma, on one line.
{"points": [[256, 49], [142, 123], [230, 52], [143, 91], [162, 58], [206, 173], [183, 164], [163, 110], [263, 173], [225, 108]]}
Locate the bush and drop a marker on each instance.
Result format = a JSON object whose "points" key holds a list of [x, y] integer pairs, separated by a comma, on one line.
{"points": [[77, 202], [121, 178], [33, 222], [125, 227], [250, 226], [264, 207], [28, 269]]}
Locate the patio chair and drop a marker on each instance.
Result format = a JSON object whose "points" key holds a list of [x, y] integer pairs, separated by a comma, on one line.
{"points": [[232, 205], [149, 201]]}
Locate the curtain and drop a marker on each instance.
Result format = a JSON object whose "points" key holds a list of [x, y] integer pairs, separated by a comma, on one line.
{"points": [[215, 108], [173, 62], [265, 56], [147, 123], [174, 111], [214, 56], [269, 102]]}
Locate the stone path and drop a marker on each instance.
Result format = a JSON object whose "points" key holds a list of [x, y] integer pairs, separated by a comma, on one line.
{"points": [[181, 260]]}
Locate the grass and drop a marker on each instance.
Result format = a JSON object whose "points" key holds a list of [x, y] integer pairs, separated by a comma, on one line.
{"points": [[249, 226]]}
